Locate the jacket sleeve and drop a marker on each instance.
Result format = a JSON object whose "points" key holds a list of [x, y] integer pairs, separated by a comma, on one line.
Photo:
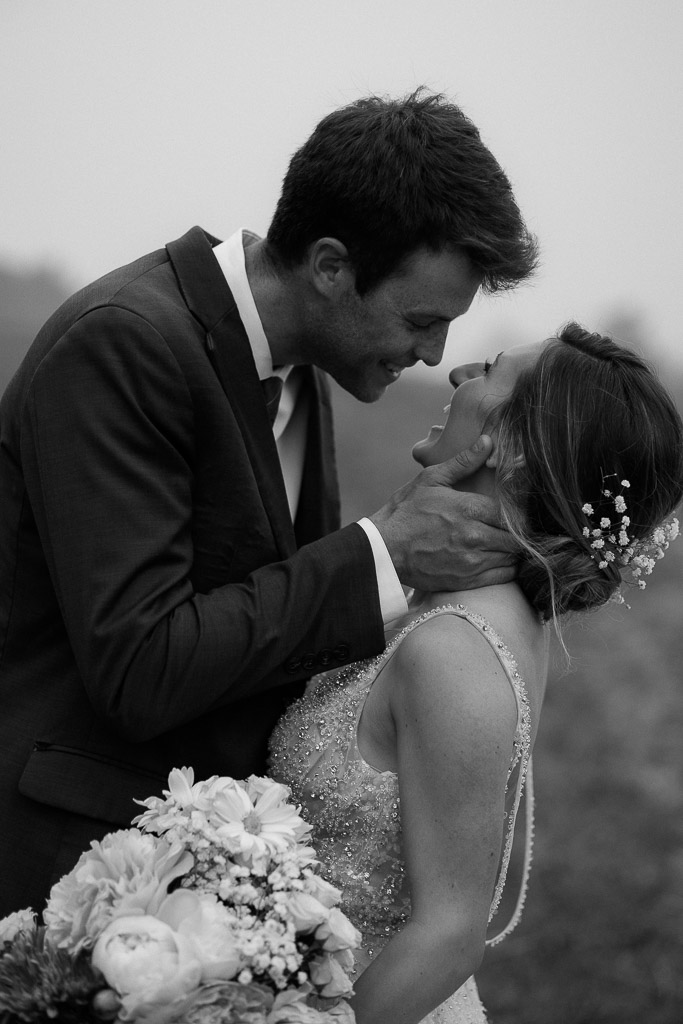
{"points": [[107, 447]]}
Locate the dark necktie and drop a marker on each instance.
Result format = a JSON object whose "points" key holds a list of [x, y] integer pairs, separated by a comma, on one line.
{"points": [[272, 389]]}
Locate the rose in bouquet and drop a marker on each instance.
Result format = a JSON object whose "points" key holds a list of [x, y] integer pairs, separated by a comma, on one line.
{"points": [[211, 911]]}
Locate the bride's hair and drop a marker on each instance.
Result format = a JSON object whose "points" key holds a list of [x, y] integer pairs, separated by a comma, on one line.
{"points": [[588, 413]]}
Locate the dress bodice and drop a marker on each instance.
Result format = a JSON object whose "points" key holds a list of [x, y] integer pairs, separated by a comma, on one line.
{"points": [[355, 809]]}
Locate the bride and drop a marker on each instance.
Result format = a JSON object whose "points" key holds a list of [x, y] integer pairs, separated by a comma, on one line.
{"points": [[411, 767]]}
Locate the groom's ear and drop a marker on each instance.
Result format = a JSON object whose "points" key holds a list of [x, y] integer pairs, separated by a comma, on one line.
{"points": [[330, 269]]}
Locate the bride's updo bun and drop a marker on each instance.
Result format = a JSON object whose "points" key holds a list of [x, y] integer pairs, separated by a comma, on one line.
{"points": [[587, 416], [566, 579]]}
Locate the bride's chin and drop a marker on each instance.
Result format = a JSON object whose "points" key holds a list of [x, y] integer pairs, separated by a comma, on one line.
{"points": [[418, 452], [421, 451]]}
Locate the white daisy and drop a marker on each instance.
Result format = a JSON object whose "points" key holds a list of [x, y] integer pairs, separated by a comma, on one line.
{"points": [[260, 826]]}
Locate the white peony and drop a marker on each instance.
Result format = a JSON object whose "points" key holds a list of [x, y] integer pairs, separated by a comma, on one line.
{"points": [[207, 925], [146, 963], [126, 873]]}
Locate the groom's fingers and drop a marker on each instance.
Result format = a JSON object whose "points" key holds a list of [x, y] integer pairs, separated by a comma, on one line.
{"points": [[494, 577], [494, 542], [486, 530], [462, 465]]}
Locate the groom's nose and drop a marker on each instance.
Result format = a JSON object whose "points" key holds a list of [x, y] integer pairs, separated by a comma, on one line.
{"points": [[430, 350]]}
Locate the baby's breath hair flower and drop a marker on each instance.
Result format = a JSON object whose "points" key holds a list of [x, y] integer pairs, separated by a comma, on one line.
{"points": [[611, 543]]}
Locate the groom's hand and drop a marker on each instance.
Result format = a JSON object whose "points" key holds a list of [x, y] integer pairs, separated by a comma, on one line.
{"points": [[442, 539]]}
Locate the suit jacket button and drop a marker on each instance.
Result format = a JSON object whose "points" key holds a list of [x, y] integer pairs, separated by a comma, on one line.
{"points": [[341, 652], [292, 665], [325, 657], [309, 661]]}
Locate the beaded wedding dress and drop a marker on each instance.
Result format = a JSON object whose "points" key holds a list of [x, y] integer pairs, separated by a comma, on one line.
{"points": [[355, 809]]}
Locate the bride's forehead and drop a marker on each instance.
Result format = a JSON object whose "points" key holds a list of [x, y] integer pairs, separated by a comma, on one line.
{"points": [[526, 355]]}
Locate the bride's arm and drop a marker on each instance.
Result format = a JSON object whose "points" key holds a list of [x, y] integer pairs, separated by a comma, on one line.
{"points": [[455, 717]]}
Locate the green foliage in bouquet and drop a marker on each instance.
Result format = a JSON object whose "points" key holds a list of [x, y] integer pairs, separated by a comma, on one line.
{"points": [[39, 983]]}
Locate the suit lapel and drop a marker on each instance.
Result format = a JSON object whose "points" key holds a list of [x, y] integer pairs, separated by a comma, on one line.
{"points": [[319, 507], [210, 300], [200, 279]]}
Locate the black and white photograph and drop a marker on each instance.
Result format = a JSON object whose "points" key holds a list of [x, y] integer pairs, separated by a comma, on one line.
{"points": [[341, 469]]}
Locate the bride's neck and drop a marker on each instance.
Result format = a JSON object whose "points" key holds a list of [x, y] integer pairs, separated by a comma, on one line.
{"points": [[424, 600]]}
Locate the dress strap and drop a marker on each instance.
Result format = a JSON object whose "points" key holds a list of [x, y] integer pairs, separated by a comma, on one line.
{"points": [[521, 759], [528, 852]]}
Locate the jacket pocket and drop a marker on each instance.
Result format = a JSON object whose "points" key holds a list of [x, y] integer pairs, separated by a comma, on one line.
{"points": [[85, 783]]}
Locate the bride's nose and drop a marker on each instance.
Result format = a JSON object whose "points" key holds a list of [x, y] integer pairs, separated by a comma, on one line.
{"points": [[459, 374]]}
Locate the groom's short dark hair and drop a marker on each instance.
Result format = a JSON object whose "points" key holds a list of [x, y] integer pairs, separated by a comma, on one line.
{"points": [[387, 177]]}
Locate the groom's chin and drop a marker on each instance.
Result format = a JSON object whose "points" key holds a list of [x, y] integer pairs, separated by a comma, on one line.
{"points": [[363, 390]]}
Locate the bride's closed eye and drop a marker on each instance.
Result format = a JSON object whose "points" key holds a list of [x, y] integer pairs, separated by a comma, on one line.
{"points": [[487, 366]]}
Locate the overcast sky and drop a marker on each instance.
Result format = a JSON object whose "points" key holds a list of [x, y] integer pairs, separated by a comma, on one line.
{"points": [[124, 122]]}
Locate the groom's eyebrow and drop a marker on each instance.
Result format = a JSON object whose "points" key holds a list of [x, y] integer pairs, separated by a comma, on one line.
{"points": [[435, 309], [432, 313]]}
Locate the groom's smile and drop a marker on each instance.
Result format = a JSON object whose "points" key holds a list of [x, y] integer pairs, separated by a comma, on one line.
{"points": [[370, 339]]}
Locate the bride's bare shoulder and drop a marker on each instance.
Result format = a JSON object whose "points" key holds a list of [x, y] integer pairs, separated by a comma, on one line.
{"points": [[444, 677], [448, 645]]}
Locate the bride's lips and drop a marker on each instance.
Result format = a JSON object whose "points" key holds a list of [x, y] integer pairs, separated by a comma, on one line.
{"points": [[438, 428]]}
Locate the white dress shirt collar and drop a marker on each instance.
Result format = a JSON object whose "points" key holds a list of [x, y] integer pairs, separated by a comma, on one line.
{"points": [[230, 256]]}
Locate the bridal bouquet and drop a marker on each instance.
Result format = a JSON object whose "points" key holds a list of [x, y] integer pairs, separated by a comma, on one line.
{"points": [[209, 912]]}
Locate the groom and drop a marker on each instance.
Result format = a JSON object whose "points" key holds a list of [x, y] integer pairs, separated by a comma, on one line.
{"points": [[172, 568]]}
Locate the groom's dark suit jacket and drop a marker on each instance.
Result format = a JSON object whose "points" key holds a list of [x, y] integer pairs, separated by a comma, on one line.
{"points": [[157, 606]]}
